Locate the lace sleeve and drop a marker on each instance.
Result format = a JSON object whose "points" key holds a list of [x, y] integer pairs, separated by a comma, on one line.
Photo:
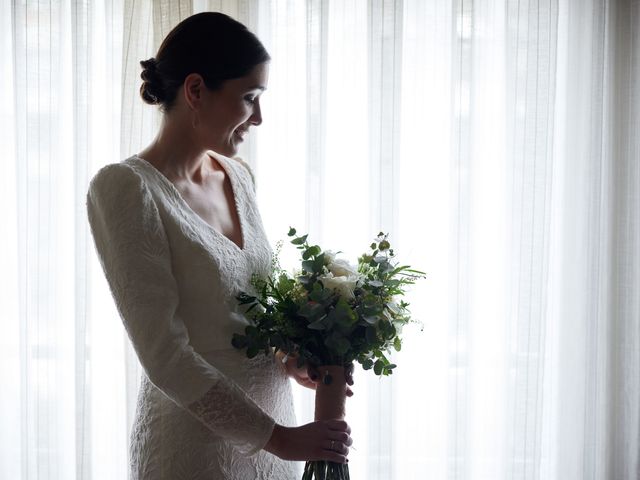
{"points": [[134, 252]]}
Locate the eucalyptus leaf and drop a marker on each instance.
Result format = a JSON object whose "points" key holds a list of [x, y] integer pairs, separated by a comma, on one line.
{"points": [[309, 266], [370, 335], [370, 320], [317, 325], [299, 240], [239, 341], [377, 367], [252, 351]]}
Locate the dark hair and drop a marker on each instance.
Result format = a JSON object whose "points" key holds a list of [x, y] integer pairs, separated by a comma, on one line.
{"points": [[210, 43]]}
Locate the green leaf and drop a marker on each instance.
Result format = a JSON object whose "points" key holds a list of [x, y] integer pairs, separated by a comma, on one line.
{"points": [[371, 335], [252, 351], [317, 325], [292, 232], [397, 344], [239, 341], [311, 311], [300, 240], [342, 345], [370, 319], [308, 266], [276, 340], [311, 252], [318, 263], [339, 344], [344, 314], [320, 294], [301, 361], [375, 283], [377, 367], [367, 364]]}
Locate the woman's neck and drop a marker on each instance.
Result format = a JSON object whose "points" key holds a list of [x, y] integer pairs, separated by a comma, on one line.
{"points": [[177, 154]]}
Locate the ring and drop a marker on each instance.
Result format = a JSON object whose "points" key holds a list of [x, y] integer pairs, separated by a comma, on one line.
{"points": [[332, 445]]}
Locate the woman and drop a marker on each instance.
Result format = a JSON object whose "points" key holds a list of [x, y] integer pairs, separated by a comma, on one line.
{"points": [[179, 236]]}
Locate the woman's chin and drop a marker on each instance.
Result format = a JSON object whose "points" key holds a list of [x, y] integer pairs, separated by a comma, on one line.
{"points": [[226, 150]]}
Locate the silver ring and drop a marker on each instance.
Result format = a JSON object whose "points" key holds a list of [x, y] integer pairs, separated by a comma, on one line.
{"points": [[332, 445]]}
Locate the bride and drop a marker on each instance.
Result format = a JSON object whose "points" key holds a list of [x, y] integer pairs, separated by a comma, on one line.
{"points": [[179, 235]]}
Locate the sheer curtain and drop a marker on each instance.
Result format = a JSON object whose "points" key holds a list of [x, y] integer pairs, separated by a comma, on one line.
{"points": [[494, 139]]}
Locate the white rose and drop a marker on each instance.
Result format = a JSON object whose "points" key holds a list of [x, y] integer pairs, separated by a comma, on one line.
{"points": [[342, 268], [329, 256], [344, 285]]}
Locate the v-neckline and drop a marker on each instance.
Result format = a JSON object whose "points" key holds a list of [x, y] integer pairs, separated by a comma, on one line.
{"points": [[192, 212]]}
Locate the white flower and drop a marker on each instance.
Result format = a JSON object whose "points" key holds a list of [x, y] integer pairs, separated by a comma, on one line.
{"points": [[344, 284], [342, 268], [329, 256]]}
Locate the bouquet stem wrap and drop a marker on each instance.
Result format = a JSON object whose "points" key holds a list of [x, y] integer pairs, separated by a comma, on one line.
{"points": [[331, 399]]}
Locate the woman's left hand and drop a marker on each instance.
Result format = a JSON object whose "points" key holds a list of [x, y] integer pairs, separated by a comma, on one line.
{"points": [[307, 375]]}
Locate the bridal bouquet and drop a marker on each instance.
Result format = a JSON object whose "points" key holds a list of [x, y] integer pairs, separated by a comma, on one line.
{"points": [[329, 314]]}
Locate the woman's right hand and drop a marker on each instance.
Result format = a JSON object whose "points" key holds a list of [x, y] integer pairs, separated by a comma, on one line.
{"points": [[312, 441]]}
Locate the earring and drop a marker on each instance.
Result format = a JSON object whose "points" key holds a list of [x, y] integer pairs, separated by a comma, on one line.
{"points": [[195, 121]]}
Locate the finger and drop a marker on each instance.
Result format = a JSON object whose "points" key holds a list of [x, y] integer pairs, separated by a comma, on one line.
{"points": [[335, 446], [349, 392], [313, 373], [339, 425], [308, 384], [331, 456], [348, 374], [340, 437]]}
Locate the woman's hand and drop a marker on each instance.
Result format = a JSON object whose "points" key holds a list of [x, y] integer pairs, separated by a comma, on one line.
{"points": [[327, 440], [308, 376]]}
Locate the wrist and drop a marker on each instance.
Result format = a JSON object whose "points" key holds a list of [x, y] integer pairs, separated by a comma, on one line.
{"points": [[276, 441]]}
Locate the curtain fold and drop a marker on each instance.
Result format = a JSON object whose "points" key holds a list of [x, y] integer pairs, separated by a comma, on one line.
{"points": [[494, 139]]}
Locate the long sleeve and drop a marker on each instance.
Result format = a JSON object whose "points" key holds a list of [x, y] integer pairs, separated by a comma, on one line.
{"points": [[135, 254]]}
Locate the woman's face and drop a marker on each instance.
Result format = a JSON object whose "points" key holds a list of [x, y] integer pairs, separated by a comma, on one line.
{"points": [[227, 113]]}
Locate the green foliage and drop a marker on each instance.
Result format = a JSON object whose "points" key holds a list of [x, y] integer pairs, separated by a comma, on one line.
{"points": [[303, 315]]}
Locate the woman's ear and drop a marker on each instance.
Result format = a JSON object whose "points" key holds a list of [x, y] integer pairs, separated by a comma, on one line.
{"points": [[193, 89]]}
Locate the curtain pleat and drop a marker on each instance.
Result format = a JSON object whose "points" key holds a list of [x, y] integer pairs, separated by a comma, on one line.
{"points": [[81, 76], [531, 43], [11, 371], [384, 68], [621, 398]]}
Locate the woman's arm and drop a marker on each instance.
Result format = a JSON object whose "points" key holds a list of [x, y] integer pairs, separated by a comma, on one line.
{"points": [[134, 253]]}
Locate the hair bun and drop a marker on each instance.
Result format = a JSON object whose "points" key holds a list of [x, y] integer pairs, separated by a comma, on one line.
{"points": [[151, 90]]}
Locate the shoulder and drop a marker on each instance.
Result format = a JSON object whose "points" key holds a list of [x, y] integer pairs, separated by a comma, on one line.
{"points": [[239, 166], [114, 175], [117, 183], [245, 165]]}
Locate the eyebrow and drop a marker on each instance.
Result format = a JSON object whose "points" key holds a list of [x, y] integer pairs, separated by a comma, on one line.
{"points": [[258, 87]]}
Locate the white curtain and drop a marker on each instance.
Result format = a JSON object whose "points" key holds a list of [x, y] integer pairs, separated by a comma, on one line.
{"points": [[496, 140]]}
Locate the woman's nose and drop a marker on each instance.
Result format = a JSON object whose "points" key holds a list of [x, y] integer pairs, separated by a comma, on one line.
{"points": [[256, 116]]}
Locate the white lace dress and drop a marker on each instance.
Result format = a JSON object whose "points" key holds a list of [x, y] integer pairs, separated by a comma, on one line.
{"points": [[204, 410]]}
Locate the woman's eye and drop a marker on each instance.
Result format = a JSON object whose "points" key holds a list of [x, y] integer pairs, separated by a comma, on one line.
{"points": [[249, 99]]}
